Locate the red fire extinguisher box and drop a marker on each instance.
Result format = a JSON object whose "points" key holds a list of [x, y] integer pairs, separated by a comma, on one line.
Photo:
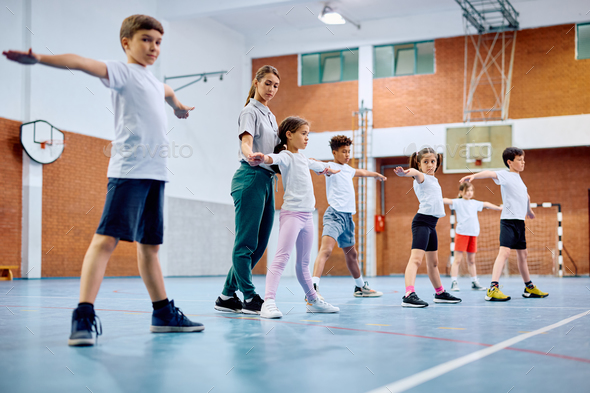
{"points": [[379, 223]]}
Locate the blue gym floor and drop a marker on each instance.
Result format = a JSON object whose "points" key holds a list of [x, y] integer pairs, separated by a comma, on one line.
{"points": [[369, 345]]}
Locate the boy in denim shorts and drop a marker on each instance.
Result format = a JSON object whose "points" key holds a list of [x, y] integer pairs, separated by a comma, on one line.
{"points": [[135, 195], [338, 222]]}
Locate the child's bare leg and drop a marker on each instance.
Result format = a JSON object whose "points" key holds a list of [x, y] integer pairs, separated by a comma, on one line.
{"points": [[94, 265], [413, 264], [352, 262], [503, 255], [456, 263], [523, 267], [326, 248], [150, 270], [471, 264], [432, 267]]}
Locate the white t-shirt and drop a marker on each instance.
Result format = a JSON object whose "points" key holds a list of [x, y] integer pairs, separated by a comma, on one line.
{"points": [[430, 196], [140, 149], [297, 180], [514, 195], [466, 210], [340, 189]]}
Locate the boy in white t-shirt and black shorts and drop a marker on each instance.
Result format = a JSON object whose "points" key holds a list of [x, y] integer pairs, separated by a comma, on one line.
{"points": [[338, 222], [516, 207], [137, 173]]}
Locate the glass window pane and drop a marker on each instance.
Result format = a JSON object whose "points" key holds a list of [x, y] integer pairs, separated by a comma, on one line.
{"points": [[383, 61], [584, 41], [310, 69], [425, 58], [330, 67], [404, 59], [350, 63]]}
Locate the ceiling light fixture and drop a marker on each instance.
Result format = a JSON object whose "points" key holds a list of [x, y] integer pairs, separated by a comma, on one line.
{"points": [[331, 17]]}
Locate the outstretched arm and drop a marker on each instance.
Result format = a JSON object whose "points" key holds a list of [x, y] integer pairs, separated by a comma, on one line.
{"points": [[447, 201], [365, 173], [488, 205], [69, 61], [479, 175], [411, 172], [181, 111]]}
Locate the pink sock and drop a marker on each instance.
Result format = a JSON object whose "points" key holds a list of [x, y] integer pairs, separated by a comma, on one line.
{"points": [[409, 289], [439, 290]]}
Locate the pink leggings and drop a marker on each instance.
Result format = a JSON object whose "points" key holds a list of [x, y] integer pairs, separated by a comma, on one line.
{"points": [[295, 229]]}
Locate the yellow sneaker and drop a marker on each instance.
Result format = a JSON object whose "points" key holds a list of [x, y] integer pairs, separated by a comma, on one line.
{"points": [[495, 295], [535, 292]]}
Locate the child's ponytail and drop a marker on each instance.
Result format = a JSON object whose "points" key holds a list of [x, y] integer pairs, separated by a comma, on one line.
{"points": [[414, 161], [415, 158]]}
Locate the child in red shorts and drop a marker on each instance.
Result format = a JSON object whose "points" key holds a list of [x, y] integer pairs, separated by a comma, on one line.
{"points": [[467, 231]]}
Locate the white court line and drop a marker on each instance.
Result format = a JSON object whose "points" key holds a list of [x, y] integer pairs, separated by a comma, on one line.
{"points": [[424, 376]]}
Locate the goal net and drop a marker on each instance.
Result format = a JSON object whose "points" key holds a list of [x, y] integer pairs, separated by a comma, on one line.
{"points": [[543, 235]]}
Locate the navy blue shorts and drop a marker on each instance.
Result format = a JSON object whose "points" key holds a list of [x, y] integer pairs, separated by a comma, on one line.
{"points": [[134, 211], [424, 233], [513, 234]]}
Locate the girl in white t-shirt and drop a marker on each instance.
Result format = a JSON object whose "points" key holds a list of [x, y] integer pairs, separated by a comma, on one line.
{"points": [[423, 165], [467, 230], [296, 223]]}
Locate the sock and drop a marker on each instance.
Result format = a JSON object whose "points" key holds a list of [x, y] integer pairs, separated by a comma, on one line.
{"points": [[160, 304], [474, 279], [85, 308], [223, 297], [439, 290], [495, 284], [316, 281], [409, 289], [529, 285], [453, 278], [359, 281]]}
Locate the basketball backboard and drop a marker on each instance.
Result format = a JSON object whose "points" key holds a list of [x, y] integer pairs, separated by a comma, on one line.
{"points": [[43, 142]]}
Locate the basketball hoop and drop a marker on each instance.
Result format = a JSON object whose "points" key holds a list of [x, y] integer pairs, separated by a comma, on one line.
{"points": [[52, 142], [478, 162], [41, 141]]}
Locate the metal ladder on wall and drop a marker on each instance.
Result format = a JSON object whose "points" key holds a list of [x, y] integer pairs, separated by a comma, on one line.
{"points": [[359, 153]]}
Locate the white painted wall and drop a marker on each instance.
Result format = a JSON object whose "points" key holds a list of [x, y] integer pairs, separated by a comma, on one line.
{"points": [[211, 129]]}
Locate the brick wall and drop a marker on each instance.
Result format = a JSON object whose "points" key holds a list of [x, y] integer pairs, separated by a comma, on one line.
{"points": [[11, 172], [74, 191]]}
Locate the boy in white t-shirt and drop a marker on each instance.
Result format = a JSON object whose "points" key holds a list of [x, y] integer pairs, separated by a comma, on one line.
{"points": [[516, 207], [338, 223], [137, 173]]}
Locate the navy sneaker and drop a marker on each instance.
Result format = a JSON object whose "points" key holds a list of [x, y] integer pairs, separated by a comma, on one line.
{"points": [[171, 320], [412, 300], [446, 297], [84, 323]]}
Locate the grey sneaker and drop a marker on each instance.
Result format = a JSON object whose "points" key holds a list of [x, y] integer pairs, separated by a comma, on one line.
{"points": [[455, 286], [476, 287], [365, 291]]}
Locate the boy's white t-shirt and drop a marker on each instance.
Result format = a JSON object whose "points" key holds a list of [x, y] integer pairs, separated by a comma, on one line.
{"points": [[340, 189], [297, 180], [140, 149], [514, 195], [466, 211], [430, 196]]}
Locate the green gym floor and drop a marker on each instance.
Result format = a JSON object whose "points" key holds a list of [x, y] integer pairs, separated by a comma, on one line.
{"points": [[372, 345]]}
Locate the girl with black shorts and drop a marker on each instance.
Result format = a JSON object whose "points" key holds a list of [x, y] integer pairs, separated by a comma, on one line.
{"points": [[423, 165]]}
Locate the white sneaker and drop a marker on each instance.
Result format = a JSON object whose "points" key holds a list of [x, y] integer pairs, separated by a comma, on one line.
{"points": [[320, 306], [270, 310]]}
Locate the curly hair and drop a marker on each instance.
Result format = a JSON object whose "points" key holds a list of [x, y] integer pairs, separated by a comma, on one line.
{"points": [[338, 141]]}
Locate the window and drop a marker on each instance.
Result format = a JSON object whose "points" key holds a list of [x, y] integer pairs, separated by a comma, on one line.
{"points": [[583, 41], [405, 59], [329, 67]]}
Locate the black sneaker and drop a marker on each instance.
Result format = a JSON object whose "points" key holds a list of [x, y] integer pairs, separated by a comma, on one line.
{"points": [[253, 306], [171, 320], [412, 300], [446, 297], [84, 322], [230, 305]]}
